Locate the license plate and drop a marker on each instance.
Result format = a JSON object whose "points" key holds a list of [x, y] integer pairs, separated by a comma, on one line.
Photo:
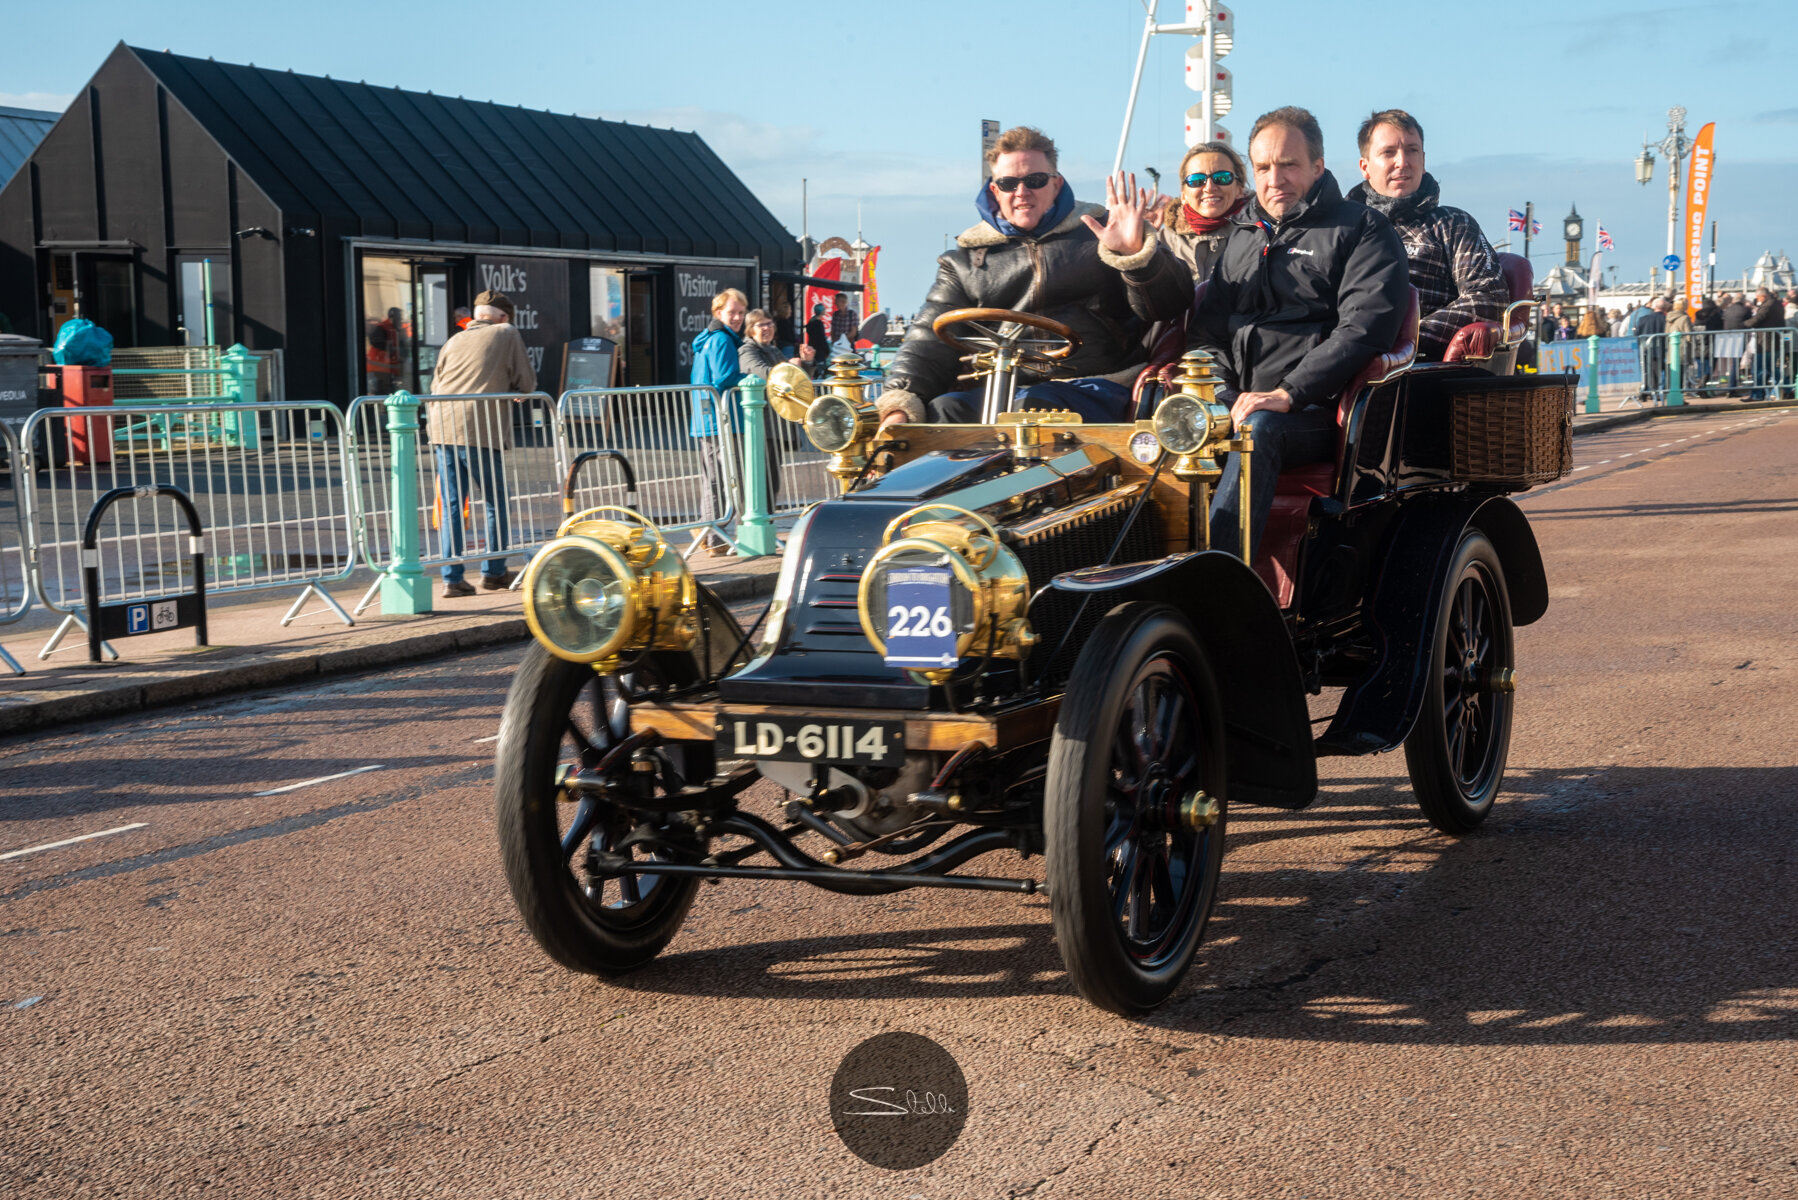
{"points": [[812, 739], [920, 618]]}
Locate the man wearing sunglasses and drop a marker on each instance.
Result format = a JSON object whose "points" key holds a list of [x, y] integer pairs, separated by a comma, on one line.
{"points": [[1030, 252], [1453, 268]]}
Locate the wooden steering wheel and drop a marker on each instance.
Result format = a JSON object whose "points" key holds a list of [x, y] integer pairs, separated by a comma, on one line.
{"points": [[985, 333]]}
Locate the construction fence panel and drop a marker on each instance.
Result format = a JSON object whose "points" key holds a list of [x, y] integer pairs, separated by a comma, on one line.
{"points": [[1755, 363], [276, 506], [685, 481], [488, 472], [15, 578]]}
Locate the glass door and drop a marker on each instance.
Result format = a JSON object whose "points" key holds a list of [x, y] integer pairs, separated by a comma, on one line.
{"points": [[640, 325], [406, 319], [204, 284], [107, 295]]}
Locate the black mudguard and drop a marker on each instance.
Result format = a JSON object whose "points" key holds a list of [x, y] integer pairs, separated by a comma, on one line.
{"points": [[1244, 637], [1378, 710]]}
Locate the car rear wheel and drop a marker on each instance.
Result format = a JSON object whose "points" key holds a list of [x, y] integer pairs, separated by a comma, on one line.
{"points": [[1133, 810], [561, 716], [1456, 752]]}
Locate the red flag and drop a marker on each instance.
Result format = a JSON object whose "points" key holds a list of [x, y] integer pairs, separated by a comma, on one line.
{"points": [[830, 268]]}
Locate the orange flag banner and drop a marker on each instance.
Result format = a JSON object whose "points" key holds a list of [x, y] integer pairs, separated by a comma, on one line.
{"points": [[1698, 194], [870, 293]]}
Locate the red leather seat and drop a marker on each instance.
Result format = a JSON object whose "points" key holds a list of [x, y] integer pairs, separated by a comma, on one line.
{"points": [[1489, 342]]}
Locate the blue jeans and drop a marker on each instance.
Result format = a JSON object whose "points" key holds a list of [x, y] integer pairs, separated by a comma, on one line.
{"points": [[1098, 401], [454, 466], [1282, 440]]}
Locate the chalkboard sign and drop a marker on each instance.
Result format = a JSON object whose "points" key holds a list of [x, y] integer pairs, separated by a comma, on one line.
{"points": [[589, 363]]}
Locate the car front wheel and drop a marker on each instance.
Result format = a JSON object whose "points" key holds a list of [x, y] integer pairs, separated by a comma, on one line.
{"points": [[1133, 809]]}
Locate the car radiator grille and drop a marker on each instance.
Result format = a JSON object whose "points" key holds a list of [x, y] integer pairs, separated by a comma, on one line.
{"points": [[1083, 544]]}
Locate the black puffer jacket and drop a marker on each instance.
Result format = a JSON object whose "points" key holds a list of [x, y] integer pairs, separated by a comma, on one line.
{"points": [[1303, 304], [1057, 275]]}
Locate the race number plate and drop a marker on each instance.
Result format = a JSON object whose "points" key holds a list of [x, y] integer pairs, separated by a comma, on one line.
{"points": [[920, 624], [811, 739]]}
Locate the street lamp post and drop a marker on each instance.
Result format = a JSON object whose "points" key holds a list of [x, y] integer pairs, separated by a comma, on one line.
{"points": [[1674, 146]]}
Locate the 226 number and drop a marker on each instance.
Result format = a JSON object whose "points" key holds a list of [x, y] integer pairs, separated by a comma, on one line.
{"points": [[918, 621]]}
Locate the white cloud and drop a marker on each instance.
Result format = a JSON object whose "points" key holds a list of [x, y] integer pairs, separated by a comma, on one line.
{"points": [[42, 101]]}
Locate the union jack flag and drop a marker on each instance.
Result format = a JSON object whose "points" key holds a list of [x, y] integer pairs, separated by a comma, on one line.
{"points": [[1604, 240], [1517, 220], [1535, 228]]}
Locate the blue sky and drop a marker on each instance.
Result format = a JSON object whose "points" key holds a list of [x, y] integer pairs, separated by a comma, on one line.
{"points": [[881, 103]]}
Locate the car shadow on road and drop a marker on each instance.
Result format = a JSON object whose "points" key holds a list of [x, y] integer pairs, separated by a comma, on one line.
{"points": [[1604, 905]]}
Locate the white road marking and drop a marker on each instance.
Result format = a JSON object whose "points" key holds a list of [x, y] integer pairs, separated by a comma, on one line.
{"points": [[479, 741], [294, 787], [86, 837]]}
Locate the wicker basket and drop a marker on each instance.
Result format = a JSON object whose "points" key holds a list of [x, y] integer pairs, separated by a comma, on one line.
{"points": [[1520, 436]]}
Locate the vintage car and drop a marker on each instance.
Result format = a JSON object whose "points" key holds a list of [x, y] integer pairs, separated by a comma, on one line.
{"points": [[1012, 637]]}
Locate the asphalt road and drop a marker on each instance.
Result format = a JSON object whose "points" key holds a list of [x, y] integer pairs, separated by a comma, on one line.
{"points": [[325, 990]]}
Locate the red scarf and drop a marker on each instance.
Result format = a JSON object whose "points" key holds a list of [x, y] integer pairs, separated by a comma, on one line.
{"points": [[1199, 224]]}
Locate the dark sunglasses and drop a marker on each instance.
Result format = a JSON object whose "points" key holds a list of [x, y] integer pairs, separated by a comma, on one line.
{"points": [[1221, 178], [1035, 181]]}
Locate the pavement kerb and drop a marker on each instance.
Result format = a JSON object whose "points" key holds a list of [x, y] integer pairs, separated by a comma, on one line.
{"points": [[276, 668]]}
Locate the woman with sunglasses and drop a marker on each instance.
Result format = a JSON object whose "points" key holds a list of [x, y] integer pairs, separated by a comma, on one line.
{"points": [[1213, 188]]}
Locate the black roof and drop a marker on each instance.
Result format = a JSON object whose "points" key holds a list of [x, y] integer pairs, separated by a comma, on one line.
{"points": [[417, 165], [21, 129]]}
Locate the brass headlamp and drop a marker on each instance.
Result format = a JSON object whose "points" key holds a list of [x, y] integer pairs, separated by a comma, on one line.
{"points": [[1191, 424], [837, 420], [991, 590], [605, 590]]}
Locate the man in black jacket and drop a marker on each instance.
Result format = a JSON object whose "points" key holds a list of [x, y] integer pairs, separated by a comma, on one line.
{"points": [[1453, 268], [1308, 290], [1030, 252]]}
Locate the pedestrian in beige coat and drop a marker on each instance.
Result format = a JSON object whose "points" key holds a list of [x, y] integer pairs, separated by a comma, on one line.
{"points": [[470, 437]]}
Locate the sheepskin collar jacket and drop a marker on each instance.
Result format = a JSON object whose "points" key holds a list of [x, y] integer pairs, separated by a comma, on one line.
{"points": [[1056, 274]]}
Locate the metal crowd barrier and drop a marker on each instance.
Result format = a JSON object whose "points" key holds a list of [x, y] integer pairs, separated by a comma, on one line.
{"points": [[276, 501], [799, 468], [1758, 363], [15, 580], [685, 483], [487, 475]]}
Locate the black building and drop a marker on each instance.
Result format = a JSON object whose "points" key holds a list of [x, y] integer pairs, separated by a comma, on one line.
{"points": [[345, 224]]}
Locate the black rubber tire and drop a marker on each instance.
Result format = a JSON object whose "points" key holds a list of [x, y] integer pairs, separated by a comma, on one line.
{"points": [[575, 926], [1098, 821], [1456, 752]]}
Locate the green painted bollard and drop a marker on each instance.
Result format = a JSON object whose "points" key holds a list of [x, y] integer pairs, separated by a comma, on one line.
{"points": [[755, 531], [1676, 392], [404, 589], [1592, 366], [241, 429]]}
